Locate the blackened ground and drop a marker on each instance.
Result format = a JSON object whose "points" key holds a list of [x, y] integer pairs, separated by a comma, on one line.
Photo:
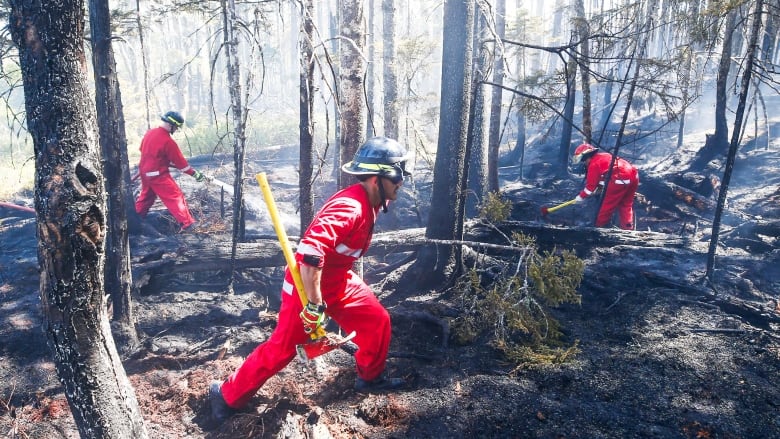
{"points": [[663, 354]]}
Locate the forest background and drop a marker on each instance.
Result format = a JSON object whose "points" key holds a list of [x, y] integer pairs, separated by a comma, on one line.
{"points": [[168, 57], [576, 72]]}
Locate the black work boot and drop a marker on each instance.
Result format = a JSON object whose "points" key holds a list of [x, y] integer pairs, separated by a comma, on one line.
{"points": [[220, 411], [383, 382]]}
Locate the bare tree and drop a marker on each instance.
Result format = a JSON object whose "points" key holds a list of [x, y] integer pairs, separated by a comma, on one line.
{"points": [[352, 71], [239, 122], [71, 215], [735, 135], [370, 73], [435, 264], [582, 32], [568, 115], [306, 128], [477, 143], [145, 64], [494, 139], [113, 145], [717, 143], [389, 71]]}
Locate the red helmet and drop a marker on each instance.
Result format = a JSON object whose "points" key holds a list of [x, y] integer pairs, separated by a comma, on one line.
{"points": [[582, 152]]}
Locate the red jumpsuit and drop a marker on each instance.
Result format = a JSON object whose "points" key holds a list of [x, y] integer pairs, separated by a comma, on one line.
{"points": [[158, 152], [620, 191], [339, 234]]}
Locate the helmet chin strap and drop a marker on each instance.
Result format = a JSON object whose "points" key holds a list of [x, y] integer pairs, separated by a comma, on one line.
{"points": [[382, 197]]}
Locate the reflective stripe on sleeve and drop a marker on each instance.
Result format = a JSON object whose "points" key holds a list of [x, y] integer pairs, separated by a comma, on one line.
{"points": [[287, 287], [307, 249], [348, 251], [152, 174]]}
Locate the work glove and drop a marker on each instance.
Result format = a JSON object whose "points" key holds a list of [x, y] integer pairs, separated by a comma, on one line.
{"points": [[199, 176], [578, 199], [313, 318]]}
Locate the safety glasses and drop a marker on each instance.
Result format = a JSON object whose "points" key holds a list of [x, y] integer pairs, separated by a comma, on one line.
{"points": [[396, 178], [399, 171]]}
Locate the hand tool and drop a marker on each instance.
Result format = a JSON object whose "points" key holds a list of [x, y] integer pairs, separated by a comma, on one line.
{"points": [[546, 210], [210, 179]]}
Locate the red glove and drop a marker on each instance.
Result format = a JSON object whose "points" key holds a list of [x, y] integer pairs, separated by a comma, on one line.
{"points": [[313, 318]]}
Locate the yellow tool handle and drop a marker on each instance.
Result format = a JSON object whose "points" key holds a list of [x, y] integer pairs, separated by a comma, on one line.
{"points": [[281, 234], [562, 205]]}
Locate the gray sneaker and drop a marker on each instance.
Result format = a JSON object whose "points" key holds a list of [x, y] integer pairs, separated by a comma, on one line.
{"points": [[379, 384], [220, 411]]}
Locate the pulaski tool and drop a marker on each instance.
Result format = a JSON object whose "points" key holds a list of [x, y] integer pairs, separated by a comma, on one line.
{"points": [[321, 342], [546, 210]]}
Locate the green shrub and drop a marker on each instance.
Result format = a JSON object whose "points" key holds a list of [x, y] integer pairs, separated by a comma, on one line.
{"points": [[511, 311], [495, 207]]}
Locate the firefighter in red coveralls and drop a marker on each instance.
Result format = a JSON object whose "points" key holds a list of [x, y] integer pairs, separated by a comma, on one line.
{"points": [[338, 235], [158, 152], [622, 186]]}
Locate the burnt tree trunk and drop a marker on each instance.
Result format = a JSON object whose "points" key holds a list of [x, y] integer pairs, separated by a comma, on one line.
{"points": [[352, 72], [477, 147], [568, 116], [239, 118], [116, 169], [494, 139], [717, 143], [71, 213], [389, 72], [735, 135], [144, 61], [306, 124], [581, 24], [434, 263]]}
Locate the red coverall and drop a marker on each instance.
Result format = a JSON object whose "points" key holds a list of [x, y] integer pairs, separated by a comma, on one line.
{"points": [[339, 234], [158, 152], [620, 191]]}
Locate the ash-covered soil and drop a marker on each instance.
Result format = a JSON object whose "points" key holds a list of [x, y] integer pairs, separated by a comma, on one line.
{"points": [[663, 354]]}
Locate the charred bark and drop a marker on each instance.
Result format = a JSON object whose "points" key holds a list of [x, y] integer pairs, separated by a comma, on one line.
{"points": [[390, 76], [116, 169], [494, 139], [477, 159], [717, 143], [446, 206], [735, 135], [239, 117], [352, 71], [71, 217], [306, 105]]}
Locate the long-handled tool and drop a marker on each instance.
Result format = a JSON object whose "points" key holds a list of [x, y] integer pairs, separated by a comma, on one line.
{"points": [[210, 179], [321, 342], [546, 210]]}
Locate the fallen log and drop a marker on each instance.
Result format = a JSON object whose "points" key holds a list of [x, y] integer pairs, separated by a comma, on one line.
{"points": [[755, 236], [189, 255], [571, 237], [664, 194], [211, 256]]}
